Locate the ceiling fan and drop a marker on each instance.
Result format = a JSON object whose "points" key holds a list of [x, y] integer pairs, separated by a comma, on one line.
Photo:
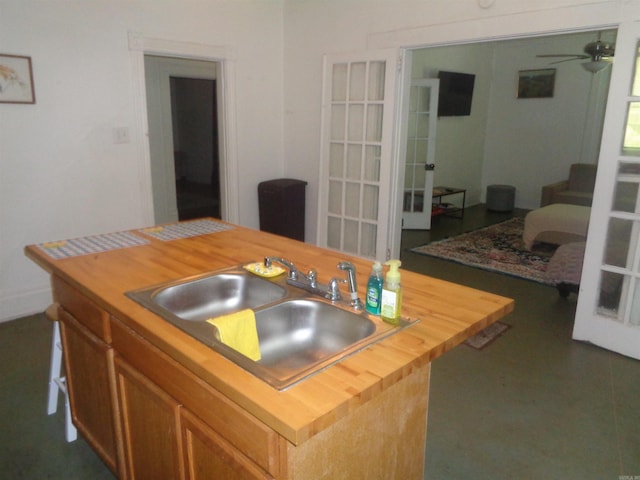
{"points": [[600, 54]]}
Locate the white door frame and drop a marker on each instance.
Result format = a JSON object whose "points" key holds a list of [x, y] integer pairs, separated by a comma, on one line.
{"points": [[535, 23], [139, 46], [403, 84], [158, 72]]}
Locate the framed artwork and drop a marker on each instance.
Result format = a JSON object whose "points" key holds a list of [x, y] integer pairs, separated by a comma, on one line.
{"points": [[536, 83], [16, 79]]}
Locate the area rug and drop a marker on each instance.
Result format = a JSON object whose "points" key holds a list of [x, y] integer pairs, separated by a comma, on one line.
{"points": [[497, 248], [486, 336]]}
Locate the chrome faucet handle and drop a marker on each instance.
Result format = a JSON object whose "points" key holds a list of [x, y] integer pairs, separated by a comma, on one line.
{"points": [[333, 292], [313, 278], [293, 271], [350, 268]]}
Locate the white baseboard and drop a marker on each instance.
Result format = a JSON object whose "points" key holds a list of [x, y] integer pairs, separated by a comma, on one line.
{"points": [[20, 303]]}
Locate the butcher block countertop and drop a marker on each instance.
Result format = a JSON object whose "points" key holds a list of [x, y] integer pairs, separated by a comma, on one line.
{"points": [[447, 313]]}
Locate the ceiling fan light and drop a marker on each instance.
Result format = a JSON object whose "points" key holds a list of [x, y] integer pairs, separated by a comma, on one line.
{"points": [[595, 66]]}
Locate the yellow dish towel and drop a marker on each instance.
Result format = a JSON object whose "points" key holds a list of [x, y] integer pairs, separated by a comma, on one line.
{"points": [[238, 331]]}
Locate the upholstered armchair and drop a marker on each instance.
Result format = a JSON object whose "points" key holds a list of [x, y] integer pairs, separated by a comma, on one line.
{"points": [[576, 190]]}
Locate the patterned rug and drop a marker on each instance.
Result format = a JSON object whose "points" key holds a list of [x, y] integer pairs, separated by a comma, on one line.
{"points": [[497, 248]]}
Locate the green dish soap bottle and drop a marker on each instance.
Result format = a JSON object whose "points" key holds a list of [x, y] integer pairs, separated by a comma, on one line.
{"points": [[374, 289], [391, 300]]}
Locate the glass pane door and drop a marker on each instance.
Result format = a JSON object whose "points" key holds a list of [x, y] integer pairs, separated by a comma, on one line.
{"points": [[356, 161], [420, 154], [619, 292], [608, 312]]}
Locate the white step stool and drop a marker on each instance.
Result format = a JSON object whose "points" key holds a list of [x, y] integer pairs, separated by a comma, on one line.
{"points": [[58, 383]]}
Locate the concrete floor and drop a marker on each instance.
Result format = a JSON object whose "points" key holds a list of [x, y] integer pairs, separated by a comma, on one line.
{"points": [[533, 405], [32, 444]]}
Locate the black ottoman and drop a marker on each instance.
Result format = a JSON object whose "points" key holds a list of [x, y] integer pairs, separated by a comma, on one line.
{"points": [[501, 198]]}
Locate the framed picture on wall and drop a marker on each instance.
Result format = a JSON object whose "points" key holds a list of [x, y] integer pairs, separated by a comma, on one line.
{"points": [[16, 79], [536, 83]]}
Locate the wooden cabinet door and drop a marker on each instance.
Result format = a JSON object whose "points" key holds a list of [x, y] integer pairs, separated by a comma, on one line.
{"points": [[89, 372], [207, 455], [150, 427]]}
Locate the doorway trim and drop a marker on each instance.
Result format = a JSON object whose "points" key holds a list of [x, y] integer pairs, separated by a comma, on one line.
{"points": [[534, 23], [139, 46]]}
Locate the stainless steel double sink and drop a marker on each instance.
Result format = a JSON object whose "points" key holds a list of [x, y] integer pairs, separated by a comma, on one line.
{"points": [[299, 333]]}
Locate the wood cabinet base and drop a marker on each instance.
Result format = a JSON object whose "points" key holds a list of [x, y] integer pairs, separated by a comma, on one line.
{"points": [[150, 422], [384, 438]]}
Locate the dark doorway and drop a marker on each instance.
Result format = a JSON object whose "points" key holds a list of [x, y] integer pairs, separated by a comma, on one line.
{"points": [[195, 140]]}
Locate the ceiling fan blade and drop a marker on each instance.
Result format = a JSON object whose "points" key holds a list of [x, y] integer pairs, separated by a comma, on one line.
{"points": [[594, 51], [560, 55], [576, 56]]}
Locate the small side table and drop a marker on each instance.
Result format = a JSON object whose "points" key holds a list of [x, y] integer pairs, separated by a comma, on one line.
{"points": [[443, 209]]}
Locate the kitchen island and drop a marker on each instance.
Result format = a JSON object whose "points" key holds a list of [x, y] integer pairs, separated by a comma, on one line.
{"points": [[154, 402]]}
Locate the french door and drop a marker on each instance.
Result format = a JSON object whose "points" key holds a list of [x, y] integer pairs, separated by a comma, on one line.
{"points": [[421, 108], [356, 153], [608, 311]]}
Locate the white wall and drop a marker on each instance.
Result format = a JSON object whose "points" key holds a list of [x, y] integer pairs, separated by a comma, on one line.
{"points": [[61, 175], [522, 142], [333, 26], [532, 142], [460, 140]]}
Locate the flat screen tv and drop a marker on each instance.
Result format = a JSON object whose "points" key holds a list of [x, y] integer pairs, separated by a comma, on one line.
{"points": [[456, 93]]}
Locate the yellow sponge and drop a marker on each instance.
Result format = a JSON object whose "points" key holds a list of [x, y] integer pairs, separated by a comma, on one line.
{"points": [[238, 331]]}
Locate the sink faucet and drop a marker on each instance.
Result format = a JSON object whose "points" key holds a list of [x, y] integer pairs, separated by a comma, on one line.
{"points": [[295, 277], [309, 281], [350, 268]]}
